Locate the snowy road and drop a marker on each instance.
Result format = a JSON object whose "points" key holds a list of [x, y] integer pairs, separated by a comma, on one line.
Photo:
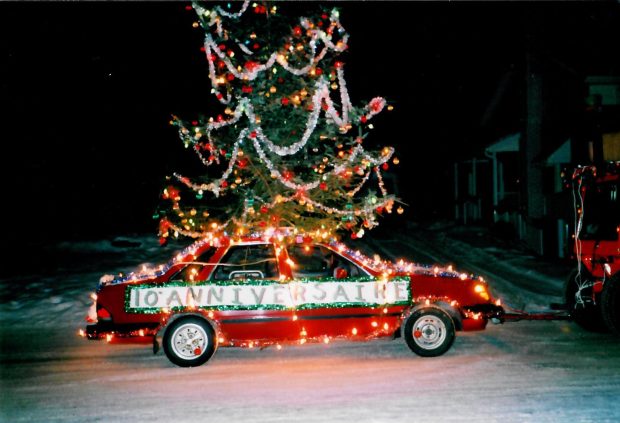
{"points": [[518, 372]]}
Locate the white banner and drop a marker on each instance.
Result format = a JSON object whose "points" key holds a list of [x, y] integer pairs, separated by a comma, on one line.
{"points": [[252, 296]]}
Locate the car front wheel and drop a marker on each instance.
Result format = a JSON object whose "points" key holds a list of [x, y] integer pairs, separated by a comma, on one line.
{"points": [[429, 332], [189, 342]]}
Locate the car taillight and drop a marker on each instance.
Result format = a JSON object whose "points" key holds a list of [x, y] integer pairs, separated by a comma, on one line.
{"points": [[103, 314]]}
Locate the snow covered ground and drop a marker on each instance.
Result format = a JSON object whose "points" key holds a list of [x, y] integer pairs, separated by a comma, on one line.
{"points": [[517, 372]]}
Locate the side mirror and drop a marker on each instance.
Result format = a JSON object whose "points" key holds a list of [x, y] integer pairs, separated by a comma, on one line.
{"points": [[340, 273]]}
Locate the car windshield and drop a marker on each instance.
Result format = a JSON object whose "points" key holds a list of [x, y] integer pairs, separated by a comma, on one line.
{"points": [[193, 268]]}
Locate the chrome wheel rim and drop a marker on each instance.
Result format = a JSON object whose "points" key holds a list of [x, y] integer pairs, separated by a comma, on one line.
{"points": [[189, 341], [429, 332]]}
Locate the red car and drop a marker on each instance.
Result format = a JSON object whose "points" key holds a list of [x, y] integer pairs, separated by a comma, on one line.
{"points": [[258, 292]]}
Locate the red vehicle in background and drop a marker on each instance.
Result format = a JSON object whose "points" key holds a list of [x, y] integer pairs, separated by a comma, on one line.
{"points": [[593, 288], [260, 291]]}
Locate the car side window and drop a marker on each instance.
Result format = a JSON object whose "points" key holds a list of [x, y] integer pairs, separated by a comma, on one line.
{"points": [[257, 261], [310, 261], [318, 261]]}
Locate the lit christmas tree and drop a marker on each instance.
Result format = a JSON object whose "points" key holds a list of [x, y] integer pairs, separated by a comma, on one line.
{"points": [[282, 152]]}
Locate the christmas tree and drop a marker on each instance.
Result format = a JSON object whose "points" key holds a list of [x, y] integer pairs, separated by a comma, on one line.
{"points": [[287, 148]]}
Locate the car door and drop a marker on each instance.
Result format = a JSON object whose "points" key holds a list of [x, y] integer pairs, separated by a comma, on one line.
{"points": [[255, 305], [334, 303]]}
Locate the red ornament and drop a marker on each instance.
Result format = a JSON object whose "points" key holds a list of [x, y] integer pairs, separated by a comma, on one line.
{"points": [[338, 64], [256, 46], [246, 89], [230, 76], [385, 166], [318, 71], [219, 96], [280, 80], [188, 7], [253, 134], [222, 47], [364, 119], [320, 24], [287, 175], [324, 16], [224, 184], [323, 186], [194, 122], [220, 118], [212, 57], [284, 101], [297, 31], [163, 240], [242, 163], [353, 235], [250, 65], [377, 104], [262, 224], [203, 49], [220, 64], [379, 209], [264, 209], [172, 193]]}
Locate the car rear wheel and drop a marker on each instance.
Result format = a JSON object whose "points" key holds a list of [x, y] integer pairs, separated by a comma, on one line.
{"points": [[585, 309], [429, 332], [189, 342]]}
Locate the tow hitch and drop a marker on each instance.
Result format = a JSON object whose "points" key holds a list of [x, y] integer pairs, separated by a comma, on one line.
{"points": [[556, 312]]}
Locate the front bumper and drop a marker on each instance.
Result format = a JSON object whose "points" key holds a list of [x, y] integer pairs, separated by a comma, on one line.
{"points": [[487, 311]]}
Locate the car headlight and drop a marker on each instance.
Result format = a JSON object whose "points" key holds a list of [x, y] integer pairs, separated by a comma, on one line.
{"points": [[481, 290]]}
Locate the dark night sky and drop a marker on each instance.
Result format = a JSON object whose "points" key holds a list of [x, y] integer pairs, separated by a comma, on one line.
{"points": [[87, 90]]}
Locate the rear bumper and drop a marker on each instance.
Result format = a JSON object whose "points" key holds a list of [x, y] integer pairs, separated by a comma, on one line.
{"points": [[134, 332]]}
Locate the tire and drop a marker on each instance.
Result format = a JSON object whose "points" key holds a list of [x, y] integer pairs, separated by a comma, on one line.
{"points": [[610, 304], [585, 312], [429, 332], [189, 341]]}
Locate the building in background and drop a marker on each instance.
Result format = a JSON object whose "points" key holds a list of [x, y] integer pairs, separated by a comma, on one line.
{"points": [[514, 184]]}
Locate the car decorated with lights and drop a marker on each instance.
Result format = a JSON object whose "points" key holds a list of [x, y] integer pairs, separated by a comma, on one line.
{"points": [[258, 292]]}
